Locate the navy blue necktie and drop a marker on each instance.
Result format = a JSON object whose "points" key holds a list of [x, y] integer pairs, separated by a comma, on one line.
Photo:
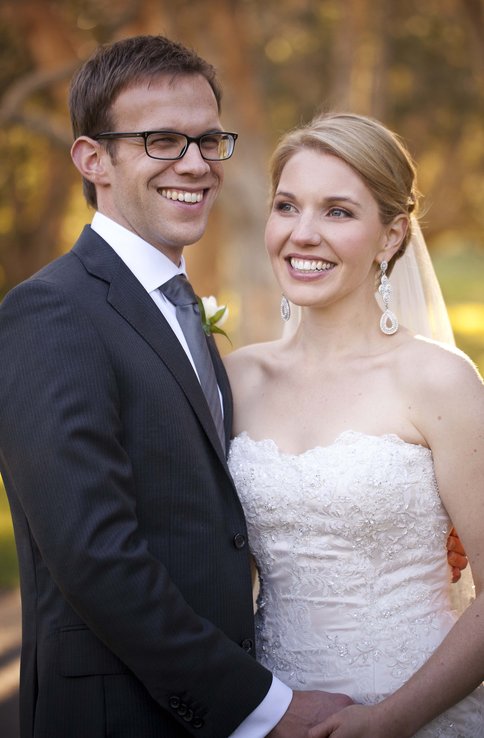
{"points": [[179, 291]]}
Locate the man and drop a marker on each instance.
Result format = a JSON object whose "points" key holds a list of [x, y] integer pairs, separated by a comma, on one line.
{"points": [[135, 578]]}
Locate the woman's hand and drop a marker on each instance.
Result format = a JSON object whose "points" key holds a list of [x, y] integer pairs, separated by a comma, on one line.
{"points": [[358, 721]]}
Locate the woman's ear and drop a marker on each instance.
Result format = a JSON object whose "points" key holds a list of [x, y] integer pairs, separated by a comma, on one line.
{"points": [[395, 233], [90, 158]]}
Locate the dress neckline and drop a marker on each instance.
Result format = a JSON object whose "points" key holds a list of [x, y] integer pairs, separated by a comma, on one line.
{"points": [[344, 438]]}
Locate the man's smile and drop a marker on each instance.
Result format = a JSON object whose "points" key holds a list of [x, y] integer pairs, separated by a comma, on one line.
{"points": [[182, 196]]}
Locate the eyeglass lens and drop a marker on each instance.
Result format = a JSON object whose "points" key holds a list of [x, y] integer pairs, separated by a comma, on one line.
{"points": [[213, 146]]}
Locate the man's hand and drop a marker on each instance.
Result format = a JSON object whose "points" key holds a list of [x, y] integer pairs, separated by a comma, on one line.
{"points": [[456, 555], [306, 710]]}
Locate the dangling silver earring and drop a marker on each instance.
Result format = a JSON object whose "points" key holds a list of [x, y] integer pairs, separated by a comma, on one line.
{"points": [[388, 321], [285, 308]]}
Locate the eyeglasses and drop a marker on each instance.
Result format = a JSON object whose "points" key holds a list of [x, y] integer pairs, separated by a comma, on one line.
{"points": [[171, 145]]}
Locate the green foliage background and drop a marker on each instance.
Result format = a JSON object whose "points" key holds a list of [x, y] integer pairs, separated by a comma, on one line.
{"points": [[8, 554]]}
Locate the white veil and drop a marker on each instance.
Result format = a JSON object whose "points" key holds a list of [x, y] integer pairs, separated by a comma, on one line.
{"points": [[417, 299], [418, 303]]}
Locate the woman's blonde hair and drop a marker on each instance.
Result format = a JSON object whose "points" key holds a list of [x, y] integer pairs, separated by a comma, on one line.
{"points": [[374, 152]]}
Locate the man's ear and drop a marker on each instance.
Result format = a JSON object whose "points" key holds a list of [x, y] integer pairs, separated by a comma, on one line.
{"points": [[90, 158], [395, 233]]}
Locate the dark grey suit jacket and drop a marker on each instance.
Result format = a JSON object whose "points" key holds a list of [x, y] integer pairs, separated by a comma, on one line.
{"points": [[136, 592]]}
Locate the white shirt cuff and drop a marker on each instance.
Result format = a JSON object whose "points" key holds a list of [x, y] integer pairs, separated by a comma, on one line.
{"points": [[265, 717]]}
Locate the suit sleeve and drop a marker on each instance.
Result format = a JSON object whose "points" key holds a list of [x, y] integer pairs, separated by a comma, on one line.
{"points": [[61, 449]]}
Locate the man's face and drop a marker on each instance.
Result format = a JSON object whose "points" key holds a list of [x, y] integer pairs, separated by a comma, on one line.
{"points": [[166, 203]]}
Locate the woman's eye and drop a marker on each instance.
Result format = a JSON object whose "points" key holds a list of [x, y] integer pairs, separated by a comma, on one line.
{"points": [[339, 213], [283, 207]]}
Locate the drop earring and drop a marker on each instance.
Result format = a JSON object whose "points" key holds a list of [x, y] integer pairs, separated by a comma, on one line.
{"points": [[285, 308], [388, 320]]}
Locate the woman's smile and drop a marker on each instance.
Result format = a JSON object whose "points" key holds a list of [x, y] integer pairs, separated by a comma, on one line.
{"points": [[313, 267]]}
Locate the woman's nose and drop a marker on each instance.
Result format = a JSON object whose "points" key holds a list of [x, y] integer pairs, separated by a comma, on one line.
{"points": [[307, 232]]}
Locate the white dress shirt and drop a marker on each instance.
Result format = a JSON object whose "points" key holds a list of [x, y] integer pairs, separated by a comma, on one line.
{"points": [[152, 269], [149, 266]]}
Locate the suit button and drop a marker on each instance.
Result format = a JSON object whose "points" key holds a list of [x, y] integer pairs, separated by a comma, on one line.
{"points": [[197, 722], [188, 716], [182, 710], [247, 644], [174, 702], [239, 540]]}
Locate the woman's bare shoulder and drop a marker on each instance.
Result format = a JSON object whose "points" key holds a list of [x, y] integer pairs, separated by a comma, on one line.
{"points": [[436, 368], [255, 357]]}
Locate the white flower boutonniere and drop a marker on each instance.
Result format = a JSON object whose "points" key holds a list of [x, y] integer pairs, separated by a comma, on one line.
{"points": [[213, 315]]}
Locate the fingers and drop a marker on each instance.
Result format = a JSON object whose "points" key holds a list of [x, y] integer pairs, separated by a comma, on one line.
{"points": [[455, 544], [321, 731], [457, 560], [456, 555], [455, 575]]}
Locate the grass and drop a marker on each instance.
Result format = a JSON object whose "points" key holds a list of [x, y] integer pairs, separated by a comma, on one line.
{"points": [[8, 553], [460, 270]]}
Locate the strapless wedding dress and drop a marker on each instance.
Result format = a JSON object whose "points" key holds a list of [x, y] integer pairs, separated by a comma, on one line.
{"points": [[350, 540]]}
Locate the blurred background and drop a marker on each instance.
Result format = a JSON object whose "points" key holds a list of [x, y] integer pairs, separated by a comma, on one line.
{"points": [[417, 66]]}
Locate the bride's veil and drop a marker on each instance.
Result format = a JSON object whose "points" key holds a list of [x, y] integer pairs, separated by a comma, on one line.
{"points": [[417, 299], [418, 303]]}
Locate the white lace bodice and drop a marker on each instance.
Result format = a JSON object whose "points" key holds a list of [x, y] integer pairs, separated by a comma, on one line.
{"points": [[350, 541]]}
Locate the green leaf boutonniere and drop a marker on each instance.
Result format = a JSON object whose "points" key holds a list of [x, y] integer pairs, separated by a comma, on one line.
{"points": [[213, 315]]}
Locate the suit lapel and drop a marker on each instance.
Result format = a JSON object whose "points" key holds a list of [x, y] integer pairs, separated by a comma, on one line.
{"points": [[127, 296]]}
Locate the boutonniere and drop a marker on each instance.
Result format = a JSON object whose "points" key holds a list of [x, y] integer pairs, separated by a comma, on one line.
{"points": [[213, 315]]}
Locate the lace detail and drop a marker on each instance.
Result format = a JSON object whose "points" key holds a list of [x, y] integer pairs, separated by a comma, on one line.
{"points": [[350, 540]]}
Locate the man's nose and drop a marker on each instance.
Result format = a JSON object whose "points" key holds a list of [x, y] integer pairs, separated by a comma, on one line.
{"points": [[192, 160]]}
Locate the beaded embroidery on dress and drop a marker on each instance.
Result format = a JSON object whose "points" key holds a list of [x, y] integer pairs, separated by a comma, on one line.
{"points": [[350, 540]]}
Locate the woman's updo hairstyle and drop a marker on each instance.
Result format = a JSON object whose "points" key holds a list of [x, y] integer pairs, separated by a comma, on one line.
{"points": [[375, 153]]}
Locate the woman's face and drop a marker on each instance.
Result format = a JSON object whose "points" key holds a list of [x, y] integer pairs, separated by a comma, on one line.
{"points": [[324, 231]]}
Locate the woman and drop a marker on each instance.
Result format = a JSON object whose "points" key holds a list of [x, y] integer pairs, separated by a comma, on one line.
{"points": [[356, 443]]}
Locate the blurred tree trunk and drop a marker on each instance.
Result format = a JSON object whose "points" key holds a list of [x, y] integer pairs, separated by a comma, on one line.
{"points": [[474, 18], [230, 260], [359, 58], [40, 176]]}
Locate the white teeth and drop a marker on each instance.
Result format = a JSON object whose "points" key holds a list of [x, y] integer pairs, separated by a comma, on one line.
{"points": [[182, 196], [305, 265]]}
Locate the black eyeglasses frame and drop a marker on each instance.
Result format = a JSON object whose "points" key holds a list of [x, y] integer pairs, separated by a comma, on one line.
{"points": [[108, 135]]}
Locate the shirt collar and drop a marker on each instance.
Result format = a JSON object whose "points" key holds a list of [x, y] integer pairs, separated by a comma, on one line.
{"points": [[148, 264]]}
